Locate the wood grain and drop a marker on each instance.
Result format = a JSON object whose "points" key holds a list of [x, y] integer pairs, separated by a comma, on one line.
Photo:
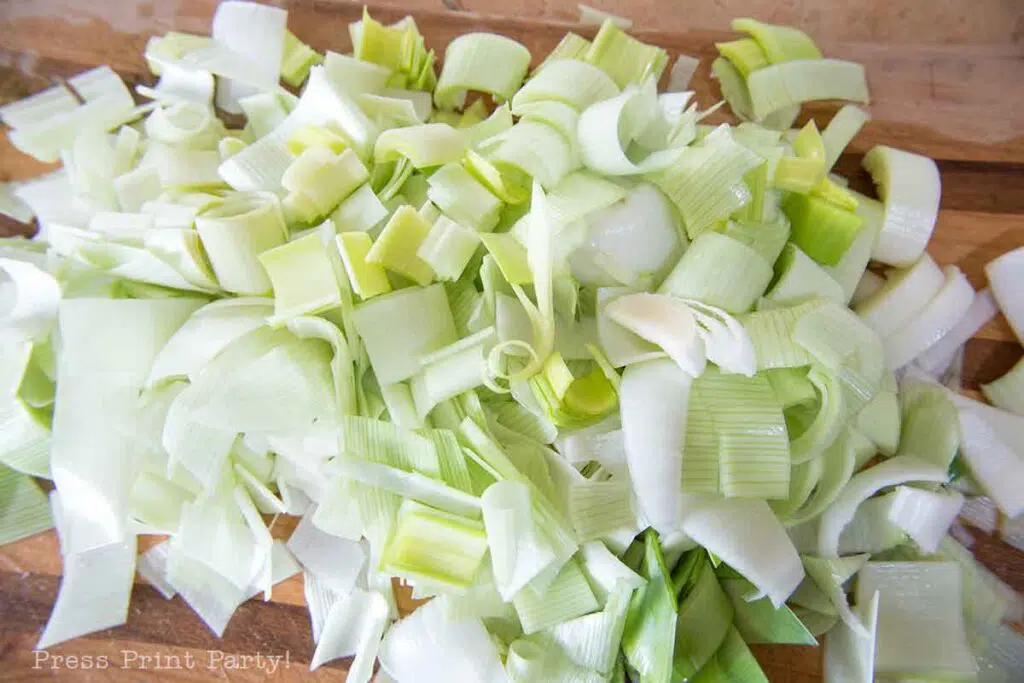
{"points": [[959, 103]]}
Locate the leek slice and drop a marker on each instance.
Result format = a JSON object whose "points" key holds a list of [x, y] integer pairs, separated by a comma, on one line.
{"points": [[850, 653], [925, 515], [940, 355], [760, 622], [234, 231], [747, 536], [798, 277], [780, 43], [648, 637], [429, 144], [843, 127], [302, 278], [463, 198], [481, 62], [566, 596], [397, 245], [652, 400], [904, 293], [665, 321], [744, 54], [993, 457], [733, 87], [706, 184], [519, 551], [368, 279], [910, 187], [623, 57], [700, 273], [771, 333], [534, 149], [297, 59], [570, 81], [932, 322], [819, 227], [805, 80], [880, 422], [26, 509], [362, 211], [354, 625], [448, 248], [920, 602], [930, 425], [1004, 278], [1007, 392], [705, 614]]}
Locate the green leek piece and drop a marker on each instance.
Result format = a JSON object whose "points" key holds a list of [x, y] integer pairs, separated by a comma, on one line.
{"points": [[297, 60], [531, 149], [797, 175], [367, 279], [625, 58], [566, 597], [448, 248], [648, 638], [744, 54], [571, 401], [499, 121], [510, 257], [838, 195], [571, 46], [503, 186], [302, 278], [593, 641], [732, 663], [400, 48], [771, 333], [1007, 392], [701, 469], [780, 43], [930, 424], [362, 211], [426, 322], [396, 246], [25, 510], [599, 508], [234, 231], [759, 622], [824, 231], [798, 277], [766, 238], [435, 546], [791, 386], [463, 198], [733, 87], [326, 136], [429, 144], [719, 271], [397, 108], [569, 81], [753, 443], [790, 83], [705, 614], [879, 421], [481, 62], [707, 183], [318, 180]]}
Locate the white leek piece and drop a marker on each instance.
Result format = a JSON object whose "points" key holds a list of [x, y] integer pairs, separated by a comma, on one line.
{"points": [[573, 82], [519, 551], [746, 535], [993, 458], [843, 127], [925, 515], [934, 321], [234, 232], [794, 82], [939, 355], [353, 626], [336, 562], [1004, 276], [666, 322], [34, 296], [905, 293], [1007, 392], [652, 400], [920, 625], [480, 62], [850, 654], [431, 144], [910, 187]]}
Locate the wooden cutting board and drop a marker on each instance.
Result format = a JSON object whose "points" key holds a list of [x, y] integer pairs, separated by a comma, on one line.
{"points": [[959, 104]]}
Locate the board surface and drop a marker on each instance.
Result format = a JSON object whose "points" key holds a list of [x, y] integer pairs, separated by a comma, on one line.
{"points": [[960, 104]]}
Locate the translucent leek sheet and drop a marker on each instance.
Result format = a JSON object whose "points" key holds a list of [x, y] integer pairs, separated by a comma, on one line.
{"points": [[108, 348]]}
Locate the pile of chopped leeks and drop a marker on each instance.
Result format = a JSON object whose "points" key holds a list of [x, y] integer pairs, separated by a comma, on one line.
{"points": [[578, 366]]}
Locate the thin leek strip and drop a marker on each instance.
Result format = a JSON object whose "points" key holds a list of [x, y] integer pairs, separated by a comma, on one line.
{"points": [[234, 231], [396, 246], [827, 421], [934, 321], [429, 144], [463, 198], [648, 637], [571, 81], [700, 273], [819, 227], [654, 426], [451, 371], [780, 43], [592, 641], [843, 127], [805, 80], [302, 278], [1007, 392], [707, 183], [1005, 280], [623, 57], [921, 602], [354, 625], [910, 187], [605, 132], [408, 485], [747, 536], [940, 355], [754, 457], [799, 277], [481, 62]]}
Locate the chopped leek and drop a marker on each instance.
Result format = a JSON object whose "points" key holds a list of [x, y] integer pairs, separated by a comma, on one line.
{"points": [[910, 186], [701, 273], [1004, 278], [804, 80], [623, 57], [1007, 392], [480, 62]]}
